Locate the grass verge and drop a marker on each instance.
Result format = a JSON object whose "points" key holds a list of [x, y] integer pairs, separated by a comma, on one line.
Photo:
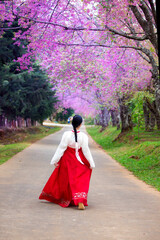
{"points": [[15, 141], [138, 152]]}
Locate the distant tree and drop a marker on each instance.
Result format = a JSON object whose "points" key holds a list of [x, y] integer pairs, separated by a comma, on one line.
{"points": [[8, 49], [39, 97], [26, 95], [22, 93], [64, 114]]}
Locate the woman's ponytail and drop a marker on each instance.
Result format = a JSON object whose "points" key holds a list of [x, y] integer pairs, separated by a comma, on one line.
{"points": [[76, 122], [75, 133]]}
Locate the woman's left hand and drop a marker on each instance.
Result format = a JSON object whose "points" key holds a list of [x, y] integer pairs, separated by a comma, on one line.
{"points": [[56, 165]]}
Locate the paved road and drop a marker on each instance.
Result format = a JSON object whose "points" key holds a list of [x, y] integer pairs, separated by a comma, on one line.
{"points": [[120, 206]]}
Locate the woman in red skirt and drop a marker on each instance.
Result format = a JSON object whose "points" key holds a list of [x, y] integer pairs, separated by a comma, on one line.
{"points": [[69, 182]]}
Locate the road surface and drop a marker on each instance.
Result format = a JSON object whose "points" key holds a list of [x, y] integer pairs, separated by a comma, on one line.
{"points": [[121, 207]]}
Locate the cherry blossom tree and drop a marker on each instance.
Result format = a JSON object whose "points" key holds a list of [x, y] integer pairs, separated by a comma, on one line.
{"points": [[105, 48]]}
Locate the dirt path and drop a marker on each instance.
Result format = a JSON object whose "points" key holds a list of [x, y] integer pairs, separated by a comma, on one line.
{"points": [[120, 206]]}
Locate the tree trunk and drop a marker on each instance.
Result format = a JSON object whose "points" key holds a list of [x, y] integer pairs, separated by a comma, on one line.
{"points": [[104, 118], [157, 104], [19, 122], [115, 118], [118, 122], [125, 116], [156, 82], [153, 108], [95, 121], [14, 123], [146, 116], [152, 121], [26, 120], [2, 121], [158, 121], [8, 123], [32, 122]]}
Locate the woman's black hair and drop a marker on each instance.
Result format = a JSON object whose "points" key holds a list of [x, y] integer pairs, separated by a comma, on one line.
{"points": [[76, 122]]}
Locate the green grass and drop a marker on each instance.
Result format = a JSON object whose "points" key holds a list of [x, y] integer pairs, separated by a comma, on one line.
{"points": [[22, 140], [139, 153]]}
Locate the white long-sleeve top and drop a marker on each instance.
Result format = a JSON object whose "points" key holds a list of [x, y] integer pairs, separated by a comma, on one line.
{"points": [[68, 140]]}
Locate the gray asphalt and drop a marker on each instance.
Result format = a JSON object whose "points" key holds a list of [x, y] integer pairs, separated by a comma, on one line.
{"points": [[121, 207]]}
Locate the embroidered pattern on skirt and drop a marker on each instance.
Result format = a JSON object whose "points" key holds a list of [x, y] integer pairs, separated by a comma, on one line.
{"points": [[65, 202], [80, 195], [61, 201]]}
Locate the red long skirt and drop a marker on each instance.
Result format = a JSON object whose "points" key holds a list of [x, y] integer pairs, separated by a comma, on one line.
{"points": [[69, 182]]}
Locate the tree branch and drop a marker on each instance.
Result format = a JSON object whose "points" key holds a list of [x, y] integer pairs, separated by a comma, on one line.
{"points": [[153, 10], [10, 28], [142, 56], [126, 35], [59, 25], [97, 45], [138, 16], [146, 12], [147, 24], [140, 48], [45, 28]]}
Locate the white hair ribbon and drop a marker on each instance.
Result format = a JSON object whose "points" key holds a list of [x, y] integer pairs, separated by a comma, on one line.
{"points": [[77, 154]]}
